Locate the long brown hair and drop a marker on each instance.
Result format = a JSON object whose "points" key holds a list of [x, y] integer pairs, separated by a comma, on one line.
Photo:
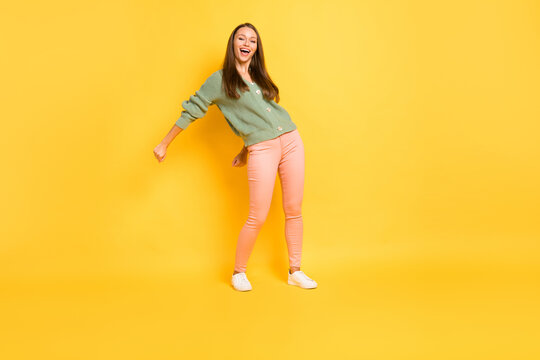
{"points": [[257, 70]]}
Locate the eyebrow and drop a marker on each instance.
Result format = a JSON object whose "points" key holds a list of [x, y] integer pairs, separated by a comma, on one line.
{"points": [[253, 37]]}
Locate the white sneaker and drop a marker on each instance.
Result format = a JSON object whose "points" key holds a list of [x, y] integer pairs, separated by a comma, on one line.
{"points": [[240, 282], [298, 278]]}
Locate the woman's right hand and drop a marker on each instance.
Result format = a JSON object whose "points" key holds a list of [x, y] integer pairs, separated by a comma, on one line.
{"points": [[160, 152]]}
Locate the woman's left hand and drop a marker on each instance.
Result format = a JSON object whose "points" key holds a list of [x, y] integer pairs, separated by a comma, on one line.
{"points": [[240, 159]]}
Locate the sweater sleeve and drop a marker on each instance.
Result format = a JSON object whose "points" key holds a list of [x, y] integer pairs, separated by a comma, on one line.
{"points": [[197, 105]]}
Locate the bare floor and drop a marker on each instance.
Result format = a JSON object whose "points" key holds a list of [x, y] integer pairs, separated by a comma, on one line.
{"points": [[371, 311]]}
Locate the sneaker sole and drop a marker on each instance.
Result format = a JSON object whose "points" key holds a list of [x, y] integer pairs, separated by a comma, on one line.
{"points": [[291, 282], [240, 289]]}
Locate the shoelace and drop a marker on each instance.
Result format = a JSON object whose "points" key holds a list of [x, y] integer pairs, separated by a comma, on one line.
{"points": [[243, 278], [304, 275]]}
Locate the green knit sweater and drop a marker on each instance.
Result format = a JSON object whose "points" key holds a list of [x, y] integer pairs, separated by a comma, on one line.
{"points": [[251, 117]]}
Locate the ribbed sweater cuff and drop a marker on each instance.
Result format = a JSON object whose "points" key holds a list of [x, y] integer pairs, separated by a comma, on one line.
{"points": [[182, 122]]}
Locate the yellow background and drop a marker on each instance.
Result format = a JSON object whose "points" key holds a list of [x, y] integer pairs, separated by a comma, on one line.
{"points": [[421, 126]]}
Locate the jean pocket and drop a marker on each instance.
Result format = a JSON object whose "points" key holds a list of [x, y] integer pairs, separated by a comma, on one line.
{"points": [[259, 145]]}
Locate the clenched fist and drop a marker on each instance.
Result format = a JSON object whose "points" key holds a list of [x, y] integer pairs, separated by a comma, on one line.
{"points": [[160, 152]]}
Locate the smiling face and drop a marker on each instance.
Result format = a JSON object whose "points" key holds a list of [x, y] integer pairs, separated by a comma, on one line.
{"points": [[245, 44]]}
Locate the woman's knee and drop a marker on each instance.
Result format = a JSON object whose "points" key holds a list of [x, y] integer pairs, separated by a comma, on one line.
{"points": [[292, 208], [256, 220]]}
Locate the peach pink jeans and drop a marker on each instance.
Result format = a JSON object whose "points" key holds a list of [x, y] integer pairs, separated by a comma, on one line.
{"points": [[283, 155]]}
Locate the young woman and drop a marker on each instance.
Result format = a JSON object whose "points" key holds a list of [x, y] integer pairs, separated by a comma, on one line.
{"points": [[244, 93]]}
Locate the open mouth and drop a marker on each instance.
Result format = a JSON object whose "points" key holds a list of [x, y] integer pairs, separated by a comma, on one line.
{"points": [[244, 51]]}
